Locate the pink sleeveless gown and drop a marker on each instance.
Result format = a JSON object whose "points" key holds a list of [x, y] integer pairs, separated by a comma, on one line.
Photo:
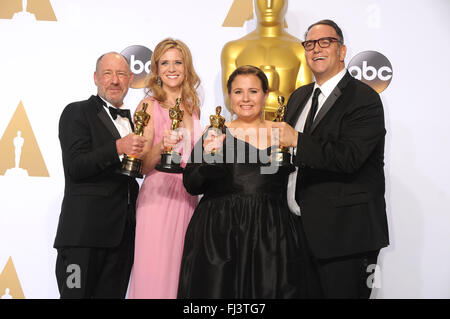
{"points": [[163, 212]]}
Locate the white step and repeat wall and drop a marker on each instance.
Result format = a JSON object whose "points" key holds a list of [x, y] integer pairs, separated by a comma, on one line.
{"points": [[47, 60]]}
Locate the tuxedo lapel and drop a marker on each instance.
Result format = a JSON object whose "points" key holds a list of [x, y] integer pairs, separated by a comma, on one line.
{"points": [[108, 123], [104, 117], [335, 94], [295, 108], [326, 106]]}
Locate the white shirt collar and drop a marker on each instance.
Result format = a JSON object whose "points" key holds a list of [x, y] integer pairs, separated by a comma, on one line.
{"points": [[109, 104], [328, 87]]}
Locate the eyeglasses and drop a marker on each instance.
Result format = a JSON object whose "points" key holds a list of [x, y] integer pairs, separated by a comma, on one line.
{"points": [[323, 43]]}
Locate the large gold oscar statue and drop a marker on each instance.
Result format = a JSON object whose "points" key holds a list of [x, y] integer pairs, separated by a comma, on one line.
{"points": [[280, 55]]}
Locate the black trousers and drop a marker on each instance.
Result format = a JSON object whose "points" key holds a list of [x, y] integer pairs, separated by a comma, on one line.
{"points": [[86, 272], [341, 277]]}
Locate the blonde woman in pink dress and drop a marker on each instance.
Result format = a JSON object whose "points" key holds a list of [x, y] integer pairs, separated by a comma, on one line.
{"points": [[164, 208]]}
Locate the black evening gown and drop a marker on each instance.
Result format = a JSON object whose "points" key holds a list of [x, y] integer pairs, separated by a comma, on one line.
{"points": [[241, 241]]}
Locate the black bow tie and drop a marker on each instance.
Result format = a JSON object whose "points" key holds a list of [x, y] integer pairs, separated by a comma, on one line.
{"points": [[122, 112]]}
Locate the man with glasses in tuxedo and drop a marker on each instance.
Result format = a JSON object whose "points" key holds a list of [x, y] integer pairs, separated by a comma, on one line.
{"points": [[336, 128]]}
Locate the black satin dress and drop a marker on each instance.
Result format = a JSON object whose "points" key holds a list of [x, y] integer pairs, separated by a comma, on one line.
{"points": [[241, 241]]}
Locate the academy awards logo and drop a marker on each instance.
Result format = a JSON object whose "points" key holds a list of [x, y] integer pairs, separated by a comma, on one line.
{"points": [[21, 155], [10, 287], [372, 68], [24, 10], [139, 58], [240, 11]]}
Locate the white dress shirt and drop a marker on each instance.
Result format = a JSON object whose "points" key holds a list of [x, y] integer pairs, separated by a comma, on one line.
{"points": [[122, 124], [326, 89]]}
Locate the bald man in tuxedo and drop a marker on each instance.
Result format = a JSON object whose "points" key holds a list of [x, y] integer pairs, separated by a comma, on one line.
{"points": [[95, 235]]}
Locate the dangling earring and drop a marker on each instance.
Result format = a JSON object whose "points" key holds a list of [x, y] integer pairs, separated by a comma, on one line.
{"points": [[159, 82]]}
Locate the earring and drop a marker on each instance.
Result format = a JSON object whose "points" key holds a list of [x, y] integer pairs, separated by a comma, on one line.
{"points": [[159, 82]]}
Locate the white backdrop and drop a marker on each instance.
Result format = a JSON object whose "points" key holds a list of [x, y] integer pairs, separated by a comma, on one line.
{"points": [[48, 64]]}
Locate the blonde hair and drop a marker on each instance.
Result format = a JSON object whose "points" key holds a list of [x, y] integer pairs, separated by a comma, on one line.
{"points": [[190, 83]]}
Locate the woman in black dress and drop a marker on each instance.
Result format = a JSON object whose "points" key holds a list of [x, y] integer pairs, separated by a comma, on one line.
{"points": [[241, 241]]}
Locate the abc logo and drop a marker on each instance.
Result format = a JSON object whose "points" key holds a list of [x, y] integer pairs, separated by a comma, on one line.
{"points": [[139, 58], [372, 68]]}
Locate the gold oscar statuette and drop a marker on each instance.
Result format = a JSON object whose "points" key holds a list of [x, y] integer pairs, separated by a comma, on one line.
{"points": [[280, 155], [170, 159], [131, 165], [213, 162], [217, 122]]}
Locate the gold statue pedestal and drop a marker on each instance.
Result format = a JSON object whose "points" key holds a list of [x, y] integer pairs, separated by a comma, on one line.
{"points": [[170, 159], [281, 158], [131, 166], [170, 163]]}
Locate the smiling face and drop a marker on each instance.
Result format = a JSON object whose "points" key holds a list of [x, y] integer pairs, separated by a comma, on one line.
{"points": [[325, 62], [247, 97], [113, 78], [171, 68]]}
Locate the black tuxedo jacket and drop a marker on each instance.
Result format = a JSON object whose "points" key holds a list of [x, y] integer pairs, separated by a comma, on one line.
{"points": [[96, 198], [340, 183]]}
